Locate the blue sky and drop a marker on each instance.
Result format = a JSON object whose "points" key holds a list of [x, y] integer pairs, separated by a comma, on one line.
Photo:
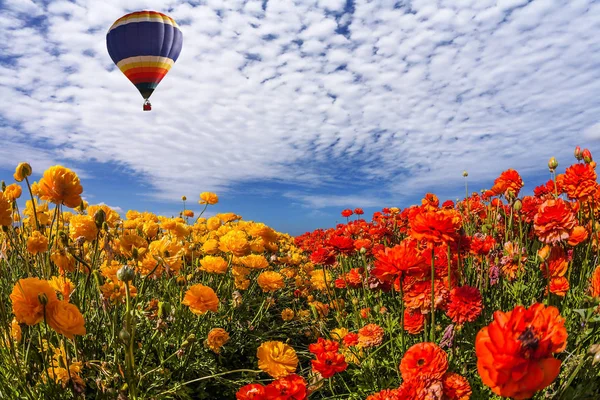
{"points": [[292, 111]]}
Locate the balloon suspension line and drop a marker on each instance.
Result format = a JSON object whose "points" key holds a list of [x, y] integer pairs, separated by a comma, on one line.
{"points": [[147, 105]]}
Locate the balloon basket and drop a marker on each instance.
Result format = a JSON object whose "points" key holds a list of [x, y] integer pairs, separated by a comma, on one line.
{"points": [[147, 106]]}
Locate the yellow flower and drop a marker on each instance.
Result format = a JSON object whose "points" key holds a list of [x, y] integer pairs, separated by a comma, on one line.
{"points": [[83, 226], [216, 265], [320, 279], [338, 333], [277, 359], [66, 319], [270, 281], [111, 216], [255, 261], [211, 246], [213, 223], [235, 242], [63, 260], [62, 285], [5, 211], [60, 185], [200, 299], [287, 314], [188, 213], [22, 171], [27, 298], [13, 192], [217, 337], [150, 229], [228, 217], [15, 330], [37, 243], [208, 198]]}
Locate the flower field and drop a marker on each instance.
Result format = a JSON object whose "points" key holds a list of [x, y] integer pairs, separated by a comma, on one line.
{"points": [[494, 296]]}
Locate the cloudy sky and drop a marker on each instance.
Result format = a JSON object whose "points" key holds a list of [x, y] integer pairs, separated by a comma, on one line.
{"points": [[293, 110]]}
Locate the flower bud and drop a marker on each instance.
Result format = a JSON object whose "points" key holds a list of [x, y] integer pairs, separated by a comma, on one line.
{"points": [[518, 205], [578, 155], [587, 156], [63, 237], [465, 173], [164, 309], [124, 336], [552, 164], [99, 218], [3, 186], [363, 250], [183, 198], [125, 273]]}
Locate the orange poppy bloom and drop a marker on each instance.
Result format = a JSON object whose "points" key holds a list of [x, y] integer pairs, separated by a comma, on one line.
{"points": [[465, 304], [66, 319], [579, 181], [515, 352], [200, 299], [277, 359], [456, 387], [578, 235], [508, 183], [559, 285], [435, 226], [27, 297], [403, 258], [60, 185], [554, 221], [370, 335], [424, 360]]}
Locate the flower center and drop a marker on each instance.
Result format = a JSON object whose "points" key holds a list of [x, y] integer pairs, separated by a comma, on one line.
{"points": [[529, 342], [421, 362]]}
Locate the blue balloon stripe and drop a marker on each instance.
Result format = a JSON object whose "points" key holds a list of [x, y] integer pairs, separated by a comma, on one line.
{"points": [[143, 39]]}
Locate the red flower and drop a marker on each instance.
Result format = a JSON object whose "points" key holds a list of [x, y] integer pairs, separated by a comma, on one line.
{"points": [[386, 394], [323, 345], [578, 235], [435, 226], [448, 204], [554, 221], [253, 391], [351, 339], [291, 387], [509, 183], [579, 181], [329, 363], [426, 360], [346, 213], [456, 387], [595, 283], [370, 335], [343, 244], [322, 256], [414, 321], [403, 258], [465, 304], [358, 211], [481, 244], [515, 352]]}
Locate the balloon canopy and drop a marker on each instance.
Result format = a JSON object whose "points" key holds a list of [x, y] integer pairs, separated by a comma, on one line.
{"points": [[144, 45]]}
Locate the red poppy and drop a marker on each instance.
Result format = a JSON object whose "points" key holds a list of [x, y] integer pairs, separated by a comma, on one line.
{"points": [[291, 387], [343, 244], [515, 352], [351, 339], [435, 226], [400, 259], [329, 363], [323, 345], [465, 304], [253, 391], [414, 321], [579, 181], [346, 213], [424, 360], [323, 256], [386, 394], [358, 211], [509, 183]]}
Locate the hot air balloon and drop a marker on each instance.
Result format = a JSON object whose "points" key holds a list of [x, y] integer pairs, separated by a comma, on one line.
{"points": [[144, 45]]}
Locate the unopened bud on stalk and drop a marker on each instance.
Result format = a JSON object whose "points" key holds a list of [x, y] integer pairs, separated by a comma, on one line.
{"points": [[518, 205], [164, 309], [99, 218], [552, 164], [578, 155], [465, 173], [363, 250], [3, 185], [125, 273], [124, 336], [183, 198], [63, 237], [190, 339], [587, 156]]}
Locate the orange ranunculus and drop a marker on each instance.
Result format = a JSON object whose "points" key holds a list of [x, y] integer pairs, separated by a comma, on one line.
{"points": [[200, 299], [66, 319], [435, 226], [425, 359], [13, 192], [402, 259], [508, 183], [5, 210], [110, 216], [270, 281], [60, 185], [385, 394], [63, 260], [252, 391], [212, 264], [208, 198], [277, 359], [417, 295], [370, 335], [595, 283], [578, 235], [83, 226], [37, 243], [27, 297], [430, 202], [554, 221], [456, 387], [22, 171], [579, 181], [465, 304], [556, 263], [559, 285], [62, 285], [217, 337], [515, 352], [188, 213], [235, 242], [254, 261], [414, 321]]}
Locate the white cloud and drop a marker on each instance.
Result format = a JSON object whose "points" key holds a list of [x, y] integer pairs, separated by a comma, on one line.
{"points": [[297, 93]]}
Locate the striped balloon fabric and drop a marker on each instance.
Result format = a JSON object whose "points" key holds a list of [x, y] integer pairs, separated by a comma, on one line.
{"points": [[144, 45]]}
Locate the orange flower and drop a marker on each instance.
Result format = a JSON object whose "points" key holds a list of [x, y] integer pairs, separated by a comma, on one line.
{"points": [[370, 335], [188, 213], [277, 359], [13, 192], [554, 221], [27, 297], [60, 185], [217, 337], [63, 285], [235, 242], [200, 299], [417, 295], [22, 171], [595, 283], [509, 183], [559, 285], [208, 198], [83, 226], [385, 394], [270, 281], [556, 264], [414, 321], [515, 352], [15, 331], [578, 235], [435, 226], [579, 181], [456, 387], [216, 265], [37, 243], [63, 260], [404, 258], [254, 261], [426, 360], [465, 304], [5, 210], [66, 319]]}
